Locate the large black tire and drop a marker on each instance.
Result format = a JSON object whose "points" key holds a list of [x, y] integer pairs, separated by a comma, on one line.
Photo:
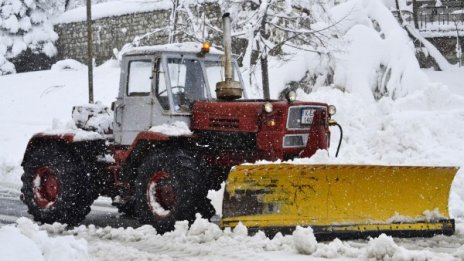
{"points": [[170, 187], [56, 186]]}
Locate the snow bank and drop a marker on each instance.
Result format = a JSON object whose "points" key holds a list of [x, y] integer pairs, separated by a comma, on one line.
{"points": [[25, 241], [177, 128], [204, 240]]}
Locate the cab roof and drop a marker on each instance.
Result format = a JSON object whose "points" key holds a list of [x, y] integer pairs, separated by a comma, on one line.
{"points": [[188, 47]]}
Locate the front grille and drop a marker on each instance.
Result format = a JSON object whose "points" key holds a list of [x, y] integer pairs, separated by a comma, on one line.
{"points": [[295, 141], [295, 116], [224, 123], [230, 140]]}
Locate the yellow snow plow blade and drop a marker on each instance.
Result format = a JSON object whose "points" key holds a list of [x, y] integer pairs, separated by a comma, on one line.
{"points": [[345, 201]]}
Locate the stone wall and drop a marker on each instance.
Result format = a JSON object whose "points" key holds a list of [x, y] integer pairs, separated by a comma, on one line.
{"points": [[115, 32], [110, 33]]}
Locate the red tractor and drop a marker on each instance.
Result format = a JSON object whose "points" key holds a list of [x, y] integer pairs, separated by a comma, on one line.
{"points": [[155, 176]]}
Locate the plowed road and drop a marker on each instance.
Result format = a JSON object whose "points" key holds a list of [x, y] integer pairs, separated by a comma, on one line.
{"points": [[102, 213]]}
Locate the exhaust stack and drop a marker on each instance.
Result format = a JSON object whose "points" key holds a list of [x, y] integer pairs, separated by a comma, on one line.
{"points": [[228, 89]]}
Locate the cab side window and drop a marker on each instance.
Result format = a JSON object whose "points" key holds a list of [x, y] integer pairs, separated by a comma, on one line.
{"points": [[140, 75]]}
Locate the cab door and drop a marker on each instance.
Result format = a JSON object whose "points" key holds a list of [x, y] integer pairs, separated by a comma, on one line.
{"points": [[134, 114]]}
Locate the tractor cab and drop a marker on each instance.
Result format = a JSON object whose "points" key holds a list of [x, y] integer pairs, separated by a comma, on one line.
{"points": [[160, 84]]}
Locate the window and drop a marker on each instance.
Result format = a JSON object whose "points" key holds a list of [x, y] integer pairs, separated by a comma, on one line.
{"points": [[140, 74], [187, 82]]}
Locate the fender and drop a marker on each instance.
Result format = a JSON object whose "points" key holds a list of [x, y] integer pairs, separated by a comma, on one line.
{"points": [[146, 142], [86, 149]]}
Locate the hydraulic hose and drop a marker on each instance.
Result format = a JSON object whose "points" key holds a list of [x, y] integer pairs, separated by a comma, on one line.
{"points": [[340, 140]]}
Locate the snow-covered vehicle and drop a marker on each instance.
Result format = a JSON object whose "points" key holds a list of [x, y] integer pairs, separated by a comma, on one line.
{"points": [[181, 124]]}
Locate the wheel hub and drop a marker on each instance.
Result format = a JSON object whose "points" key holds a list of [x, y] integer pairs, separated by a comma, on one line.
{"points": [[45, 187], [161, 194]]}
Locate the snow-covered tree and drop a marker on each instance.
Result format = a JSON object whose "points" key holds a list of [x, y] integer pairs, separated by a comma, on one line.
{"points": [[341, 40], [24, 25], [268, 25]]}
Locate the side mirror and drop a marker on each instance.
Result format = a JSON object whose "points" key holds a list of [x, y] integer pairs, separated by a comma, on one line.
{"points": [[113, 104]]}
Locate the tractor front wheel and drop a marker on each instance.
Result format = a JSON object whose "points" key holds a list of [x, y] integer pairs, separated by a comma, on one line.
{"points": [[169, 188]]}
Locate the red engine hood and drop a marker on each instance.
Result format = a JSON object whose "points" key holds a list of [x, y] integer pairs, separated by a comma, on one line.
{"points": [[241, 116], [226, 116]]}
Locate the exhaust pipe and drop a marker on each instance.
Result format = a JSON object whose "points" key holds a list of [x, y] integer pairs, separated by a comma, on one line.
{"points": [[228, 89]]}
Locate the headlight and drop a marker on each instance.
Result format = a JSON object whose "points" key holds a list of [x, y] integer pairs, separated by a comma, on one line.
{"points": [[291, 96], [268, 107], [332, 110]]}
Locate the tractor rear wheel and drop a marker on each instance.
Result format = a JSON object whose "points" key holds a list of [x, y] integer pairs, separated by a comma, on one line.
{"points": [[169, 188], [56, 187]]}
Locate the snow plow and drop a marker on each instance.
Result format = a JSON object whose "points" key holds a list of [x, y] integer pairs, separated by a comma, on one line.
{"points": [[182, 125], [344, 201]]}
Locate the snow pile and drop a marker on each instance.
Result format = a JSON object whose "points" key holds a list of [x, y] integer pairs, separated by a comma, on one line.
{"points": [[408, 131], [202, 231], [62, 129], [24, 25], [25, 241], [384, 248], [304, 240], [93, 117], [204, 240], [337, 249], [68, 64], [177, 128]]}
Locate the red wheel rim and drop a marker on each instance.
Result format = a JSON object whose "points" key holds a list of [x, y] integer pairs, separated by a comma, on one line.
{"points": [[161, 194], [45, 186]]}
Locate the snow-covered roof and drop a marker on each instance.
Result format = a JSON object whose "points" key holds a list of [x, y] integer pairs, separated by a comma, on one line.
{"points": [[113, 8], [188, 47]]}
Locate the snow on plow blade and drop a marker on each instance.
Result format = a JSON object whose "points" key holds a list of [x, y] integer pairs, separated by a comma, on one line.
{"points": [[344, 201]]}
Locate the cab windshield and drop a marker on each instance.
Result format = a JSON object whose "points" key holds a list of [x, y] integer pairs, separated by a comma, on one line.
{"points": [[188, 82]]}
